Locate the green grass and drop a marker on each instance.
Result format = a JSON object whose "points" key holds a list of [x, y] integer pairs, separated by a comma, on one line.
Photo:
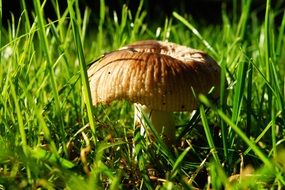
{"points": [[51, 137]]}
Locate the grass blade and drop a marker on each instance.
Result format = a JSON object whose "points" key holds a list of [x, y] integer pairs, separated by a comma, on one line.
{"points": [[241, 29], [280, 40], [208, 135], [20, 119], [83, 69], [44, 41], [179, 161], [196, 33]]}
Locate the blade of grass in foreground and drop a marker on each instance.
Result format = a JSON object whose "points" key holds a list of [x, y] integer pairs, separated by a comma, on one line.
{"points": [[44, 155], [223, 99], [21, 127], [44, 41], [208, 135], [26, 15], [100, 36], [241, 28], [20, 120], [83, 69], [271, 74], [179, 162], [280, 40]]}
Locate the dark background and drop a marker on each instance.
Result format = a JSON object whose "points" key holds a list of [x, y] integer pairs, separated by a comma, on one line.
{"points": [[157, 10]]}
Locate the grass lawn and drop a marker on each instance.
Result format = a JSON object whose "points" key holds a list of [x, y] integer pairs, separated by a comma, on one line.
{"points": [[51, 137]]}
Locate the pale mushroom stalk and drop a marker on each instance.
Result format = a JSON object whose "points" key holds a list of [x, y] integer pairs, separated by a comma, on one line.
{"points": [[162, 121]]}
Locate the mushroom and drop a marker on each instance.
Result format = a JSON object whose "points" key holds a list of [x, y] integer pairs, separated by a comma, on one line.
{"points": [[159, 77]]}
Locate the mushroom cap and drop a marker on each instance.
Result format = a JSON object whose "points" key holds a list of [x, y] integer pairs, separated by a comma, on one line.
{"points": [[163, 76]]}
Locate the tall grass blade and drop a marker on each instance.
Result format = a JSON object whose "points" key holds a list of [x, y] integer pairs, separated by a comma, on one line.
{"points": [[267, 51], [41, 154], [26, 15], [238, 91], [83, 69], [23, 135], [45, 44], [249, 99], [138, 22], [208, 135], [140, 153], [100, 26], [241, 29], [196, 33], [179, 162], [280, 39], [223, 99], [86, 17], [20, 119]]}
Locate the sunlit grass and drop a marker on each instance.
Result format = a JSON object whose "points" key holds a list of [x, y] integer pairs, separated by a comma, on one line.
{"points": [[52, 137]]}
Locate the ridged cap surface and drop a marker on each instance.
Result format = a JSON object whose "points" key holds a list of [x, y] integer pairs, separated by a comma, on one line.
{"points": [[161, 75]]}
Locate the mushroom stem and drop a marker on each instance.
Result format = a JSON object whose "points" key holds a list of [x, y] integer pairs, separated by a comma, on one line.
{"points": [[162, 121]]}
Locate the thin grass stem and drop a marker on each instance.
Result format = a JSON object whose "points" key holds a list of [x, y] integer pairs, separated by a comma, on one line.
{"points": [[83, 70], [208, 135], [44, 41]]}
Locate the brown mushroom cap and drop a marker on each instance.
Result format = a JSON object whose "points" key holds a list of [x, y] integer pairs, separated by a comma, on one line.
{"points": [[161, 75]]}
